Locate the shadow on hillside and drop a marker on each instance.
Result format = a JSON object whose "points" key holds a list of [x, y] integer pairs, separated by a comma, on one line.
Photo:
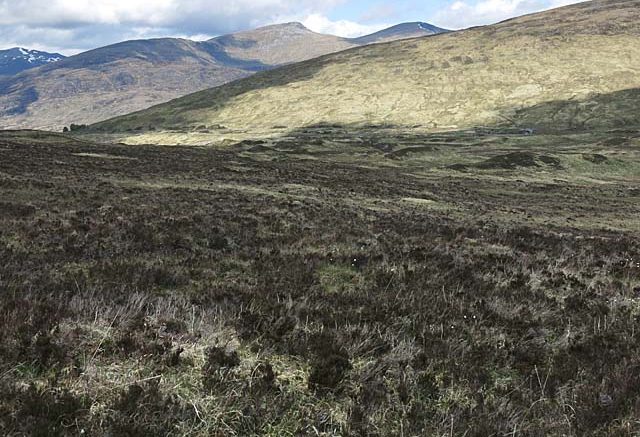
{"points": [[491, 149], [535, 137], [618, 109]]}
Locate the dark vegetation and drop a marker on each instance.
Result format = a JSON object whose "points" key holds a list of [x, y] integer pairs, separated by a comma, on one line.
{"points": [[189, 291], [74, 127], [514, 160]]}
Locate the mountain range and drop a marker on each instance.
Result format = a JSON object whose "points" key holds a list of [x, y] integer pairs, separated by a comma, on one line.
{"points": [[576, 67], [17, 60], [133, 75]]}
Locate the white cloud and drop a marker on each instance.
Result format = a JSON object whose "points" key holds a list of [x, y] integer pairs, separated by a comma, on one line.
{"points": [[461, 14], [158, 13], [379, 11], [69, 25], [348, 29]]}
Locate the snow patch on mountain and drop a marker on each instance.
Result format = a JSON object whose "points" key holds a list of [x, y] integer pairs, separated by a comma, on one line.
{"points": [[18, 59]]}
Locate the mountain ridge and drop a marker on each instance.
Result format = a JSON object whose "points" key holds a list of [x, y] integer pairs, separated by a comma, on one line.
{"points": [[484, 75], [133, 75], [18, 59], [415, 29]]}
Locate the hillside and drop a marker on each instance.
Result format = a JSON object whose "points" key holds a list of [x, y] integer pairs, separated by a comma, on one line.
{"points": [[17, 60], [133, 75], [400, 31], [120, 78], [292, 42], [280, 44], [569, 68]]}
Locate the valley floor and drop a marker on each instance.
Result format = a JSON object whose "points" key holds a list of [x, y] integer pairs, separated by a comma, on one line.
{"points": [[330, 281]]}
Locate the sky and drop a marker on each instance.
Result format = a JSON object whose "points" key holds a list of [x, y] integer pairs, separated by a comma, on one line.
{"points": [[73, 26]]}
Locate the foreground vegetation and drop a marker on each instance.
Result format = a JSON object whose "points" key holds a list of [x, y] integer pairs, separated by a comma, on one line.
{"points": [[324, 282]]}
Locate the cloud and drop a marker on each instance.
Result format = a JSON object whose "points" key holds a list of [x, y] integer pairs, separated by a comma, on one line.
{"points": [[379, 12], [156, 13], [461, 14], [348, 29], [72, 25]]}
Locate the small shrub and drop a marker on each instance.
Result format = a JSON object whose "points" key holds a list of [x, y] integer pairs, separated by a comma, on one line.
{"points": [[77, 127], [218, 361], [142, 409], [268, 375], [330, 364], [39, 412]]}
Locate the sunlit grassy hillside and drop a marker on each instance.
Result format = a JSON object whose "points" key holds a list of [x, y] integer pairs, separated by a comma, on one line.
{"points": [[575, 67]]}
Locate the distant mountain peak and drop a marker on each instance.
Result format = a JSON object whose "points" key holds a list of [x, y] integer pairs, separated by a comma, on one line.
{"points": [[18, 59], [29, 55], [430, 27], [138, 73], [412, 29], [291, 27], [295, 24]]}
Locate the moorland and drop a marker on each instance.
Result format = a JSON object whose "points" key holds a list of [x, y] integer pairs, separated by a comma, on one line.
{"points": [[437, 236], [332, 282]]}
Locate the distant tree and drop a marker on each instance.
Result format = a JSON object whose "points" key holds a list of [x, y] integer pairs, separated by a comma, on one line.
{"points": [[65, 129], [76, 127]]}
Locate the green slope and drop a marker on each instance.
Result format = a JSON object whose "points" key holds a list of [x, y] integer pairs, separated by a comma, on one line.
{"points": [[544, 71]]}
